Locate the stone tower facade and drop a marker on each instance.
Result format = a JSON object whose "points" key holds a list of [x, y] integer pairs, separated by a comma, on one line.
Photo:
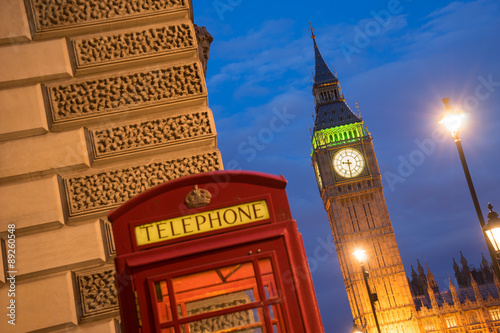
{"points": [[99, 101], [350, 185]]}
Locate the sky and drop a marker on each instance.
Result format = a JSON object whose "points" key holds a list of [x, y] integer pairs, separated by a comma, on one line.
{"points": [[397, 60]]}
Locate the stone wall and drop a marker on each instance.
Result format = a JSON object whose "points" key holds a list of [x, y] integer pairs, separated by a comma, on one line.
{"points": [[100, 100]]}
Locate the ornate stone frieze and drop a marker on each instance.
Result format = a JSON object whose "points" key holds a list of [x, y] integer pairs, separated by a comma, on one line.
{"points": [[104, 95], [97, 292], [96, 50], [204, 41], [53, 14], [102, 191], [150, 134]]}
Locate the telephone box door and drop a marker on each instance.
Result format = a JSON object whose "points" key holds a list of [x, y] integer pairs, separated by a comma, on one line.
{"points": [[240, 290]]}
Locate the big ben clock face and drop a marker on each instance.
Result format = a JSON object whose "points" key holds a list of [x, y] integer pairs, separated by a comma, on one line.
{"points": [[348, 162]]}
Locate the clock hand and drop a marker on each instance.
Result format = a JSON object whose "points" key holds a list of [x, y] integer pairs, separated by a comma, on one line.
{"points": [[348, 165]]}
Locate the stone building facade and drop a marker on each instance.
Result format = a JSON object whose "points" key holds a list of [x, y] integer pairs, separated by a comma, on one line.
{"points": [[99, 101], [472, 307]]}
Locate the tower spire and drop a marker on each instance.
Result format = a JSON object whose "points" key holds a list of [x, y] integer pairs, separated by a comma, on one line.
{"points": [[322, 73], [331, 109]]}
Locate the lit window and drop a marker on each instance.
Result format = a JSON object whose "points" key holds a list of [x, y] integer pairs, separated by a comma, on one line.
{"points": [[451, 322], [495, 314]]}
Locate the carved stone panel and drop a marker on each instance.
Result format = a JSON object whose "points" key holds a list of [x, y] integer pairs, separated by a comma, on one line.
{"points": [[111, 94], [150, 134], [103, 191], [56, 14], [132, 44], [97, 292]]}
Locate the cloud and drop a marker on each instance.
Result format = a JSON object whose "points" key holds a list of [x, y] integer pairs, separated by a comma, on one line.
{"points": [[262, 56]]}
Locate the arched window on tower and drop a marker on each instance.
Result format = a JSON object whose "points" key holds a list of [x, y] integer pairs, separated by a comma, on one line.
{"points": [[331, 139], [336, 137], [350, 135], [337, 94], [355, 133]]}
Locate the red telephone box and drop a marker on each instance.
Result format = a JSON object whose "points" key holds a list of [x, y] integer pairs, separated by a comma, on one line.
{"points": [[213, 252]]}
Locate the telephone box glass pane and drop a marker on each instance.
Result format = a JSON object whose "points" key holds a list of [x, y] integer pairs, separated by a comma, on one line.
{"points": [[248, 321], [163, 302], [276, 318], [266, 271], [215, 289]]}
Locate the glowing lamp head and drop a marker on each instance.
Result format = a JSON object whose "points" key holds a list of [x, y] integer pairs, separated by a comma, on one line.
{"points": [[492, 228], [360, 255], [453, 119]]}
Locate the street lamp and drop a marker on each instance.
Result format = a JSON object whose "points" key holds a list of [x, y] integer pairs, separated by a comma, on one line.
{"points": [[453, 120], [360, 255], [492, 228]]}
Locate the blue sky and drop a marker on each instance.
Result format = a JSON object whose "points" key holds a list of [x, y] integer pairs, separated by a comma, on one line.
{"points": [[413, 54]]}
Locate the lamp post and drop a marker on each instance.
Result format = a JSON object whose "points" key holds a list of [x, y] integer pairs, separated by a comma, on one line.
{"points": [[355, 328], [360, 255], [453, 121]]}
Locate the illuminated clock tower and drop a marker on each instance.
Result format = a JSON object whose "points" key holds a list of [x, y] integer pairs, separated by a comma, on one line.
{"points": [[350, 185]]}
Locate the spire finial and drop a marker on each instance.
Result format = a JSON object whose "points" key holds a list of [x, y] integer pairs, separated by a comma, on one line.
{"points": [[311, 29], [492, 215], [446, 102]]}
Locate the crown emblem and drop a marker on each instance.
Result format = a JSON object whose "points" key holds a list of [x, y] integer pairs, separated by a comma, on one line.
{"points": [[198, 198]]}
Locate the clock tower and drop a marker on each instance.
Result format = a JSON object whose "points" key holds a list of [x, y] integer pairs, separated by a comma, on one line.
{"points": [[350, 186]]}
